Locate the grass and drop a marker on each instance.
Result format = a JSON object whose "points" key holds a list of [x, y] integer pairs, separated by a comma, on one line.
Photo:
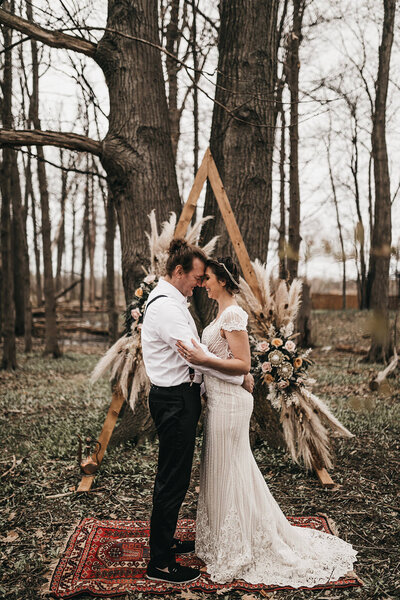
{"points": [[46, 403]]}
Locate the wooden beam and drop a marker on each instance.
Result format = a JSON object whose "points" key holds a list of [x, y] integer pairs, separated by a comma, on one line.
{"points": [[105, 435], [191, 203], [232, 227], [324, 478]]}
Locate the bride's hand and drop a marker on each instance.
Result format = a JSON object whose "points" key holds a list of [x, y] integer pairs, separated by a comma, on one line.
{"points": [[195, 355]]}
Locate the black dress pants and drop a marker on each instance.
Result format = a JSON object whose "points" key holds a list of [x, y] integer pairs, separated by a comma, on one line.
{"points": [[175, 411]]}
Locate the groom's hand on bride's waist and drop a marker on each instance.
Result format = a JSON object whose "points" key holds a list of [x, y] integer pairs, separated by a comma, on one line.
{"points": [[248, 383]]}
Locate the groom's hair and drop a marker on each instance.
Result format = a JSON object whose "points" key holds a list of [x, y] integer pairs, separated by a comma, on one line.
{"points": [[182, 253]]}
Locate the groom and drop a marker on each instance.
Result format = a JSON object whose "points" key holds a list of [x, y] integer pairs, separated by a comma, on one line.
{"points": [[174, 403]]}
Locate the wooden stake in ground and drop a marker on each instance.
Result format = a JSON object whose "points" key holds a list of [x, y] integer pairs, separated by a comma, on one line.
{"points": [[104, 437]]}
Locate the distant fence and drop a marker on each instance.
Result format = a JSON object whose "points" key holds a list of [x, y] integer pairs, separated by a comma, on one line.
{"points": [[334, 301]]}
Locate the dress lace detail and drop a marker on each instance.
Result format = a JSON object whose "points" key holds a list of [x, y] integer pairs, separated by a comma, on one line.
{"points": [[241, 531], [233, 318]]}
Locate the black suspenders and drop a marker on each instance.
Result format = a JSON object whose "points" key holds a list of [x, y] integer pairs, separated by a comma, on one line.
{"points": [[191, 370], [152, 300]]}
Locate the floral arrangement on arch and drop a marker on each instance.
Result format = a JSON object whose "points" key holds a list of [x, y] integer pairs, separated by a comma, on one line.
{"points": [[282, 367], [133, 316], [278, 361]]}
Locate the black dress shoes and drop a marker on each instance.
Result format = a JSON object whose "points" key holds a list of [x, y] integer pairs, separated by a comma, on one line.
{"points": [[176, 574], [183, 546]]}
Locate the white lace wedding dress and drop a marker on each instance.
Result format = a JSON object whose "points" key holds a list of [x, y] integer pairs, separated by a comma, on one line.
{"points": [[241, 532]]}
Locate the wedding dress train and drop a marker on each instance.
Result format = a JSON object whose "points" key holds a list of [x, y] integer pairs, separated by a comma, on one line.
{"points": [[241, 532]]}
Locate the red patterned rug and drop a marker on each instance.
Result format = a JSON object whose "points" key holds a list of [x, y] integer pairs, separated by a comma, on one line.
{"points": [[108, 558]]}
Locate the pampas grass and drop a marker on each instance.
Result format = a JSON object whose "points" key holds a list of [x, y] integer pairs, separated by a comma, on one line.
{"points": [[306, 420]]}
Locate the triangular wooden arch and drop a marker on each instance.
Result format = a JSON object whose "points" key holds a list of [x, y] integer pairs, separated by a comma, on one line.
{"points": [[208, 169]]}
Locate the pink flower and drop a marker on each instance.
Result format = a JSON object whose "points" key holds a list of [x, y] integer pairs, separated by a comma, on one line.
{"points": [[262, 346], [283, 384], [290, 346], [135, 313], [266, 367], [149, 278]]}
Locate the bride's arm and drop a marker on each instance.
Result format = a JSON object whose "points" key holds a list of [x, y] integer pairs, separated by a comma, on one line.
{"points": [[238, 342]]}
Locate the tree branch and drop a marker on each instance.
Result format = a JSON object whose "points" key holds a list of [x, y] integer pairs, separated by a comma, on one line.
{"points": [[35, 137], [55, 39]]}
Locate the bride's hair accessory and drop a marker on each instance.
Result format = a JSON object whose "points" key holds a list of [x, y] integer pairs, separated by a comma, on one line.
{"points": [[229, 274]]}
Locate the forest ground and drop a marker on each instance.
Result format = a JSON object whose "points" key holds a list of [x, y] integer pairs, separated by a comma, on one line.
{"points": [[47, 402]]}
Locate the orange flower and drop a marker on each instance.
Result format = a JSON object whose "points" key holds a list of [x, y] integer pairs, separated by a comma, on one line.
{"points": [[139, 292], [268, 378], [298, 362], [277, 342]]}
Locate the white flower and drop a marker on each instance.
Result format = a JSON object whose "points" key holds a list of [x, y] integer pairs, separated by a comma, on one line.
{"points": [[150, 278], [290, 346], [262, 346], [266, 367], [135, 313], [285, 369], [276, 358]]}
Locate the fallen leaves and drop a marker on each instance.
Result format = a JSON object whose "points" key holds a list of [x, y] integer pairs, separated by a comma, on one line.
{"points": [[11, 537]]}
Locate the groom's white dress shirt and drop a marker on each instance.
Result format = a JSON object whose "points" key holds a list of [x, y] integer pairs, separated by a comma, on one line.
{"points": [[166, 321]]}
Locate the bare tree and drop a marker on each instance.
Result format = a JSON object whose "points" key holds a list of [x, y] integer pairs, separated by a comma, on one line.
{"points": [[283, 274], [36, 248], [378, 275], [110, 277], [328, 145], [51, 342], [61, 227], [242, 133], [292, 77], [9, 360]]}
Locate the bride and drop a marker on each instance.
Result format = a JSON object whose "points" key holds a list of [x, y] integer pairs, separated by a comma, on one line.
{"points": [[241, 532]]}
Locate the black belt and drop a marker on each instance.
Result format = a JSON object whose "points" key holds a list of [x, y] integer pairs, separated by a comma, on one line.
{"points": [[176, 388]]}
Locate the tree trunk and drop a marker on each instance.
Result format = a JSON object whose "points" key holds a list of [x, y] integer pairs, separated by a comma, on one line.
{"points": [[196, 76], [360, 229], [303, 321], [29, 190], [172, 43], [27, 276], [378, 276], [61, 233], [85, 236], [51, 343], [293, 68], [137, 152], [18, 242], [73, 245], [242, 133], [91, 241], [338, 222], [110, 283], [282, 223], [9, 360]]}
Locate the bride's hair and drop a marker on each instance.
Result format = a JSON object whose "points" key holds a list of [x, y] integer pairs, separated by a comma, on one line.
{"points": [[182, 253], [225, 270]]}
